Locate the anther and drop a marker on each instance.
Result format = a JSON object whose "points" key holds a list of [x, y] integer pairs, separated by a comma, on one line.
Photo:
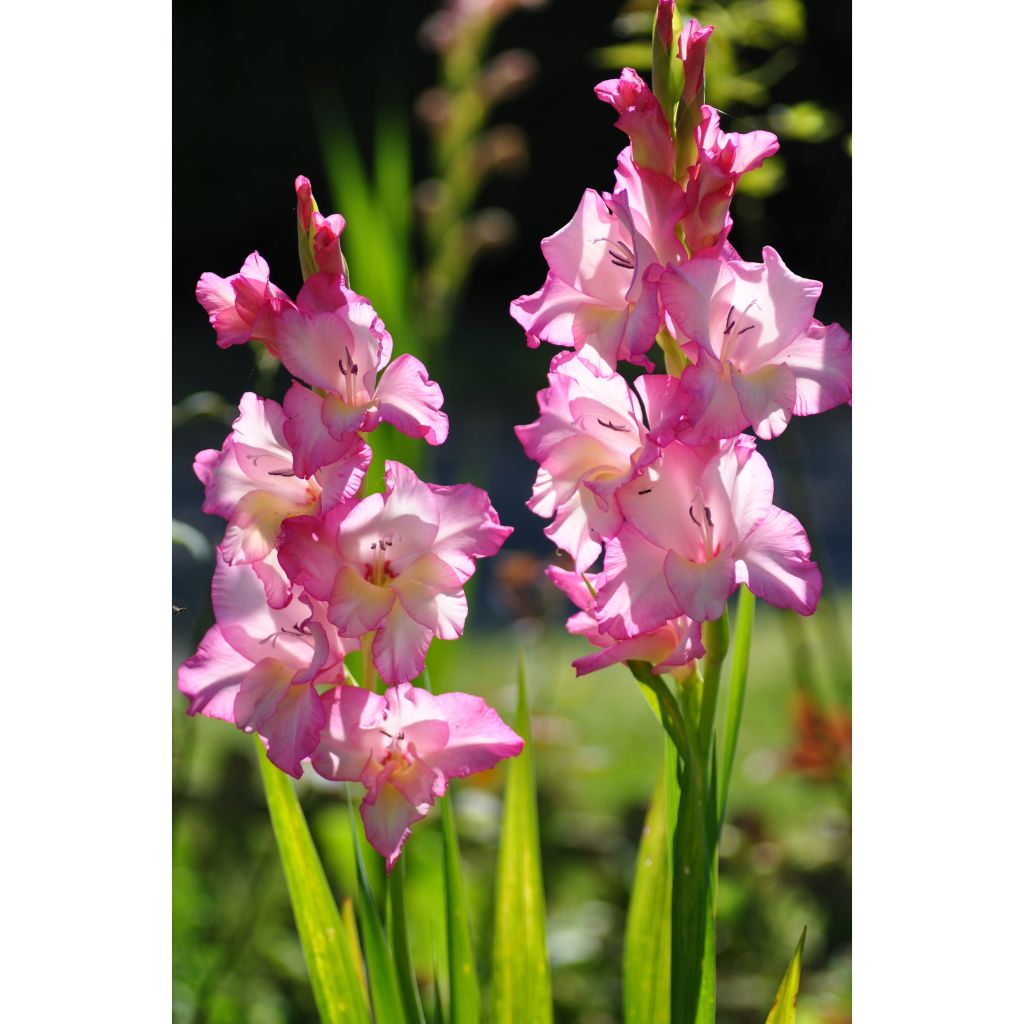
{"points": [[281, 472], [647, 490], [729, 322], [613, 426], [707, 516], [694, 518]]}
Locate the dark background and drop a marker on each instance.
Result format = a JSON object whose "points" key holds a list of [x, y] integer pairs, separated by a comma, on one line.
{"points": [[245, 76]]}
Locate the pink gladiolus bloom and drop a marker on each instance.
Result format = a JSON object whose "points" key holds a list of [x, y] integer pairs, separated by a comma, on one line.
{"points": [[763, 356], [252, 483], [641, 118], [693, 45], [333, 340], [326, 230], [590, 439], [242, 307], [404, 747], [672, 645], [722, 159], [258, 665], [600, 295], [395, 564], [698, 523]]}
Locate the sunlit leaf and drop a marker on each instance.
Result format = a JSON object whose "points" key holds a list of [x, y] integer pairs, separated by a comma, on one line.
{"points": [[463, 986], [334, 975], [646, 982], [783, 1010], [521, 978], [380, 967]]}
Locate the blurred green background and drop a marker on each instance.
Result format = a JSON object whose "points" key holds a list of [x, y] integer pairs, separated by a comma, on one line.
{"points": [[452, 150]]}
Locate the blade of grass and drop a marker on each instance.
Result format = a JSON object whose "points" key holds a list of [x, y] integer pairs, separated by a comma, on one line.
{"points": [[334, 976], [521, 980], [783, 1010], [400, 947], [380, 968], [737, 691], [463, 986], [646, 988], [692, 969]]}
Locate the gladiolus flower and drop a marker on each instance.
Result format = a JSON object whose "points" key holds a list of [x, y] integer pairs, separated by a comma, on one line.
{"points": [[258, 665], [395, 564], [763, 356], [698, 523], [404, 747], [252, 482], [242, 307]]}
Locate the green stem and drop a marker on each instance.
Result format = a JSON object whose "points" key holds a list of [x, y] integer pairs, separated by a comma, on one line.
{"points": [[401, 949], [716, 645], [671, 717], [737, 692]]}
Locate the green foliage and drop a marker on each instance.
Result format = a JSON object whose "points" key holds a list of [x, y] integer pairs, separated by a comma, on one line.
{"points": [[520, 976], [646, 989], [463, 985], [783, 1010], [334, 976]]}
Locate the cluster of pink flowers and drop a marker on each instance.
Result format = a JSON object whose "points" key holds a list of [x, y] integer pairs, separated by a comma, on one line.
{"points": [[658, 475], [309, 571]]}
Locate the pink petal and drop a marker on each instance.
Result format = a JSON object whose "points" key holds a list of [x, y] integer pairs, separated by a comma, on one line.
{"points": [[477, 737], [641, 118], [468, 526], [820, 360], [400, 646], [340, 418], [767, 397], [410, 401], [548, 313], [714, 410], [636, 597], [357, 605], [774, 562], [308, 555], [388, 820], [310, 440], [212, 676], [431, 593], [351, 732], [340, 481], [701, 588]]}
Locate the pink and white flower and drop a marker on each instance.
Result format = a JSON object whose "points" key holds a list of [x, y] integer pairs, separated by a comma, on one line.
{"points": [[404, 747], [672, 645], [722, 159], [252, 482], [698, 523], [763, 357], [395, 565], [600, 295], [258, 666], [242, 307], [333, 340], [590, 439]]}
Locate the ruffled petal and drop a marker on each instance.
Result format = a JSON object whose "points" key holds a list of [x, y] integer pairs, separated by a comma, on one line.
{"points": [[408, 400], [477, 737], [775, 559]]}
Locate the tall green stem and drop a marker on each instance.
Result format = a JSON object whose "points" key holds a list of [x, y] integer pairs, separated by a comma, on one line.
{"points": [[737, 691], [401, 950]]}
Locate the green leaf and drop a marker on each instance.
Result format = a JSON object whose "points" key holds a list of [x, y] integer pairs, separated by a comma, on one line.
{"points": [[693, 957], [463, 987], [783, 1010], [334, 975], [400, 945], [521, 979], [384, 989], [646, 982], [737, 691]]}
